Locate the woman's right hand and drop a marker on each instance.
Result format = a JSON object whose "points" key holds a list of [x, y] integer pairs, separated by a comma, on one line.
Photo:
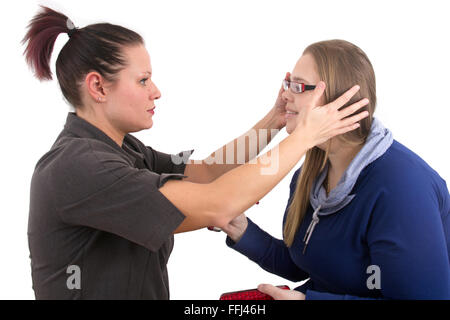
{"points": [[236, 228], [320, 123]]}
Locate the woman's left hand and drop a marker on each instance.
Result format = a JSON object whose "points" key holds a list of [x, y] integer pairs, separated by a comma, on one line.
{"points": [[281, 294]]}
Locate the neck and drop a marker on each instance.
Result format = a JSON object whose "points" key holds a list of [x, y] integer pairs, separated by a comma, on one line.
{"points": [[340, 159], [101, 123]]}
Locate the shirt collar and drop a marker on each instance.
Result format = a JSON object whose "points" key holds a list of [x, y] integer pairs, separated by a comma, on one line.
{"points": [[84, 129]]}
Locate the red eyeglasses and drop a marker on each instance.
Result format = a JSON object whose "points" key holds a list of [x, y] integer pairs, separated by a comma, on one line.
{"points": [[296, 87]]}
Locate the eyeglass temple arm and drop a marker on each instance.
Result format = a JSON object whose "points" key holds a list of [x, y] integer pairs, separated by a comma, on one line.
{"points": [[307, 87]]}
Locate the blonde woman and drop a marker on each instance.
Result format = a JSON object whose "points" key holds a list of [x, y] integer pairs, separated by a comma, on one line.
{"points": [[366, 217]]}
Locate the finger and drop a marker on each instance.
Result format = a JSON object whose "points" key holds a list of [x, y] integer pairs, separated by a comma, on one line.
{"points": [[343, 99], [318, 92], [286, 77], [271, 290], [347, 122], [280, 92], [353, 108], [345, 130]]}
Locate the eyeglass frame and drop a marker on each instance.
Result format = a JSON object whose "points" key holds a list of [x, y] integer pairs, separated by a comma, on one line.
{"points": [[301, 87]]}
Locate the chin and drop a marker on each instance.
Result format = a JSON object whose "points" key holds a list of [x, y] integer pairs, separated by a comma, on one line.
{"points": [[149, 124], [140, 127], [290, 127]]}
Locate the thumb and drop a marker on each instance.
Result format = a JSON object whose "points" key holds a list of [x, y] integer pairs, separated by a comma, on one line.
{"points": [[270, 290]]}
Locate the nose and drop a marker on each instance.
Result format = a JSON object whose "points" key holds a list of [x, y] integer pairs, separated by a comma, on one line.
{"points": [[155, 94], [287, 96]]}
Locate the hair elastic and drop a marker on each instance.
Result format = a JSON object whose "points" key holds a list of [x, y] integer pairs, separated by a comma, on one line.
{"points": [[70, 25]]}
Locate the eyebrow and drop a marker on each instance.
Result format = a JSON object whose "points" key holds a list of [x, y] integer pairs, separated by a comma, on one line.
{"points": [[147, 72], [299, 79]]}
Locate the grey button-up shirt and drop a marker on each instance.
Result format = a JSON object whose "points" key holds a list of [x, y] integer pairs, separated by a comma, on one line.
{"points": [[95, 210]]}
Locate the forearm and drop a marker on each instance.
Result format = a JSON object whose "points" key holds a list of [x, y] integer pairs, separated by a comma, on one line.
{"points": [[218, 202], [242, 149], [247, 184], [269, 253]]}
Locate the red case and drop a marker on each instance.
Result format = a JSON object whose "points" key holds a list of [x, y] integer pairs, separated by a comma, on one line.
{"points": [[252, 294]]}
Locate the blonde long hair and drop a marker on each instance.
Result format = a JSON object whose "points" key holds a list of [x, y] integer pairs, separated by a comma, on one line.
{"points": [[341, 65]]}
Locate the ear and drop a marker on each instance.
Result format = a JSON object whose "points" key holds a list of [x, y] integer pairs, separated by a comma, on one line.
{"points": [[95, 86], [318, 93]]}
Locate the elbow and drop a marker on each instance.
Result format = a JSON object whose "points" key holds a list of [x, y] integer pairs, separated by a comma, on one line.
{"points": [[223, 205], [222, 214], [221, 222]]}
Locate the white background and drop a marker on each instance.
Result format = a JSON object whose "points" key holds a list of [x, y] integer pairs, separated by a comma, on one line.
{"points": [[219, 65]]}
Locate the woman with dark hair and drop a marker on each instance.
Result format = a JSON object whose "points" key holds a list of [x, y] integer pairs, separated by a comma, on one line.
{"points": [[366, 217], [103, 206]]}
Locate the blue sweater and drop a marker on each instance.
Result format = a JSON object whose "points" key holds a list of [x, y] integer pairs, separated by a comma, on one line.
{"points": [[399, 222]]}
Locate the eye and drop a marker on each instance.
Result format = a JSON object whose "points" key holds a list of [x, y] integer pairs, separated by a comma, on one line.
{"points": [[296, 87], [143, 81]]}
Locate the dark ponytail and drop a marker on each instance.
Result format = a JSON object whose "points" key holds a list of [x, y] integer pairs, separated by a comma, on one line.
{"points": [[97, 47], [44, 28]]}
